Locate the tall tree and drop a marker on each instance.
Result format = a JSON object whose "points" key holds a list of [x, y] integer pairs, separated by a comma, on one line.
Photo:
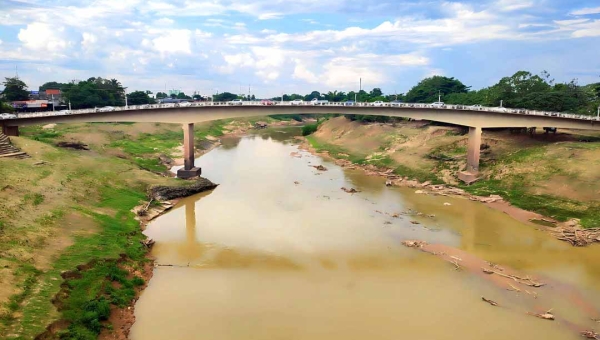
{"points": [[15, 89], [428, 89]]}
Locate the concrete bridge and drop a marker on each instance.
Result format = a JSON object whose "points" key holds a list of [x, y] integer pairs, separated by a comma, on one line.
{"points": [[475, 118]]}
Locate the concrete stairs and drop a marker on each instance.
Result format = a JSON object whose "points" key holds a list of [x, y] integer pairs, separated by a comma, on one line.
{"points": [[9, 150]]}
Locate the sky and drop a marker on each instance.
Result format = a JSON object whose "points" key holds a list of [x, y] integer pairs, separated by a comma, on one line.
{"points": [[269, 47]]}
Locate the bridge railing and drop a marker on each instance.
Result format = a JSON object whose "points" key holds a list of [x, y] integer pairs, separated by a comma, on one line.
{"points": [[291, 103]]}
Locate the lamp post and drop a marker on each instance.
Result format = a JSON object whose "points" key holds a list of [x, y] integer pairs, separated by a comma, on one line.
{"points": [[125, 91]]}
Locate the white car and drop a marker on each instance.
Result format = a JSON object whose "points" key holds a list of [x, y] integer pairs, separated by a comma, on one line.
{"points": [[185, 104], [106, 109], [297, 102], [7, 115], [378, 103], [438, 104], [476, 107], [236, 102]]}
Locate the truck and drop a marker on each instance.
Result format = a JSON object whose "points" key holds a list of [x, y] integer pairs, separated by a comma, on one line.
{"points": [[316, 101]]}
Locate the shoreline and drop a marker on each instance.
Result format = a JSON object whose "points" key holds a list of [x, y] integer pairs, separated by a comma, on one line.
{"points": [[582, 237]]}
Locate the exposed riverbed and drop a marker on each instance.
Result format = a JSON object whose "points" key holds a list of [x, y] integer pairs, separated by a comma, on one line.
{"points": [[279, 251]]}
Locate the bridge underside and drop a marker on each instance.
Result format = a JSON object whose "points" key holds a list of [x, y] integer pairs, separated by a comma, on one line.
{"points": [[187, 116]]}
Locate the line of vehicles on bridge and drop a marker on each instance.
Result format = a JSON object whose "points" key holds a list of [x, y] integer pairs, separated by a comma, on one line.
{"points": [[299, 102]]}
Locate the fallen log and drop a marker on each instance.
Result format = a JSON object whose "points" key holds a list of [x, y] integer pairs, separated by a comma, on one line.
{"points": [[491, 302]]}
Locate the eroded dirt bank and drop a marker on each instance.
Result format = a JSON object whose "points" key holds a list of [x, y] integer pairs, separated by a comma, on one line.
{"points": [[417, 155]]}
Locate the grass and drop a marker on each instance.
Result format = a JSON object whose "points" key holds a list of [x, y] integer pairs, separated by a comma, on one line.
{"points": [[100, 189], [559, 208]]}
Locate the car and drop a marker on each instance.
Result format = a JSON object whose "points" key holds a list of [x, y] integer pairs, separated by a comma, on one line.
{"points": [[395, 102], [7, 115], [349, 103], [378, 103], [297, 102], [106, 109], [438, 104], [476, 107], [235, 102], [185, 104], [267, 102], [64, 112], [316, 101]]}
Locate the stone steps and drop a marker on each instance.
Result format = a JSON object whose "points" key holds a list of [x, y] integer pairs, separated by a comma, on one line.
{"points": [[7, 150]]}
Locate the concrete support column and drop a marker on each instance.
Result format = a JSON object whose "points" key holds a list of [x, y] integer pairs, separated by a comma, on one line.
{"points": [[474, 150], [188, 146], [189, 170], [473, 153], [11, 131]]}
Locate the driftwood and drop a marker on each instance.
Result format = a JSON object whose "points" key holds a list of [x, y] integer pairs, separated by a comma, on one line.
{"points": [[522, 280], [148, 242], [576, 236], [350, 191], [414, 244], [545, 316], [590, 335], [320, 167], [491, 302]]}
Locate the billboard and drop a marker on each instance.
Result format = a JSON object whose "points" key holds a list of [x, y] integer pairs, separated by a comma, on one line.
{"points": [[35, 93]]}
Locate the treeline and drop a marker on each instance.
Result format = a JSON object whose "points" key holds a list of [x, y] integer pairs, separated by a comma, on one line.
{"points": [[521, 90]]}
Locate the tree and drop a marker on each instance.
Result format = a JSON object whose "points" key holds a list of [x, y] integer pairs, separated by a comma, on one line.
{"points": [[15, 89], [376, 92], [52, 85], [428, 89], [161, 95], [94, 92], [225, 97], [139, 98]]}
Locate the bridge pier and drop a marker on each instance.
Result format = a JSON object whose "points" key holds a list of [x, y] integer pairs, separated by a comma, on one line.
{"points": [[188, 170], [473, 155], [11, 131]]}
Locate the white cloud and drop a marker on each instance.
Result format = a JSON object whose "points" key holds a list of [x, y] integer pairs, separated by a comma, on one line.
{"points": [[591, 29], [42, 37], [164, 22], [513, 5], [269, 16], [88, 40], [173, 41], [586, 11]]}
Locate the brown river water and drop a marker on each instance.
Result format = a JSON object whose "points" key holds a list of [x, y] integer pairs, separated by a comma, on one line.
{"points": [[261, 257]]}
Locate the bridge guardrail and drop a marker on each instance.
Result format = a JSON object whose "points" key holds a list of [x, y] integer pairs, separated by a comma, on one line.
{"points": [[288, 103]]}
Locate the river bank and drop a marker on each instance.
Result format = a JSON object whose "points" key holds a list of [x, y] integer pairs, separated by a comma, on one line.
{"points": [[403, 154], [330, 257]]}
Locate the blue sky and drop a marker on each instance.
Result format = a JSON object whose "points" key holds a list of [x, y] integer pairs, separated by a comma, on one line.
{"points": [[277, 46]]}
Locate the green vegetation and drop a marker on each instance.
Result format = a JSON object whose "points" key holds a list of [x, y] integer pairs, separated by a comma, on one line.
{"points": [[309, 129], [559, 208], [295, 117]]}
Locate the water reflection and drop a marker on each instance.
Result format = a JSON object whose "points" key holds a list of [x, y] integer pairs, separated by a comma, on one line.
{"points": [[272, 259]]}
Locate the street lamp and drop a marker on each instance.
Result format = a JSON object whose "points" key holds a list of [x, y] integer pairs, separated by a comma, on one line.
{"points": [[125, 91]]}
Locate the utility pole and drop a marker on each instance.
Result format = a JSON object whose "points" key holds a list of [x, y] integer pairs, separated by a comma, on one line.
{"points": [[439, 95], [359, 85], [500, 102], [598, 116], [69, 105], [248, 92], [125, 90]]}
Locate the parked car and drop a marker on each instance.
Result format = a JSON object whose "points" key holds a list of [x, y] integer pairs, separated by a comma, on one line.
{"points": [[106, 109], [349, 103], [7, 115], [235, 102], [438, 104], [475, 107], [297, 102], [185, 104], [267, 102], [64, 112], [316, 101], [395, 102], [378, 103]]}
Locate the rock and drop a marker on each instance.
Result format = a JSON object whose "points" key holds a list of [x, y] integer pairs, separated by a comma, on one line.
{"points": [[424, 184], [419, 192], [296, 182], [388, 183], [350, 191], [320, 167], [165, 159], [414, 243], [447, 204], [415, 222], [73, 145], [165, 193]]}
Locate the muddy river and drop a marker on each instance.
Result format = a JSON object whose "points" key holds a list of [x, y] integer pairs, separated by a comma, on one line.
{"points": [[278, 251]]}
